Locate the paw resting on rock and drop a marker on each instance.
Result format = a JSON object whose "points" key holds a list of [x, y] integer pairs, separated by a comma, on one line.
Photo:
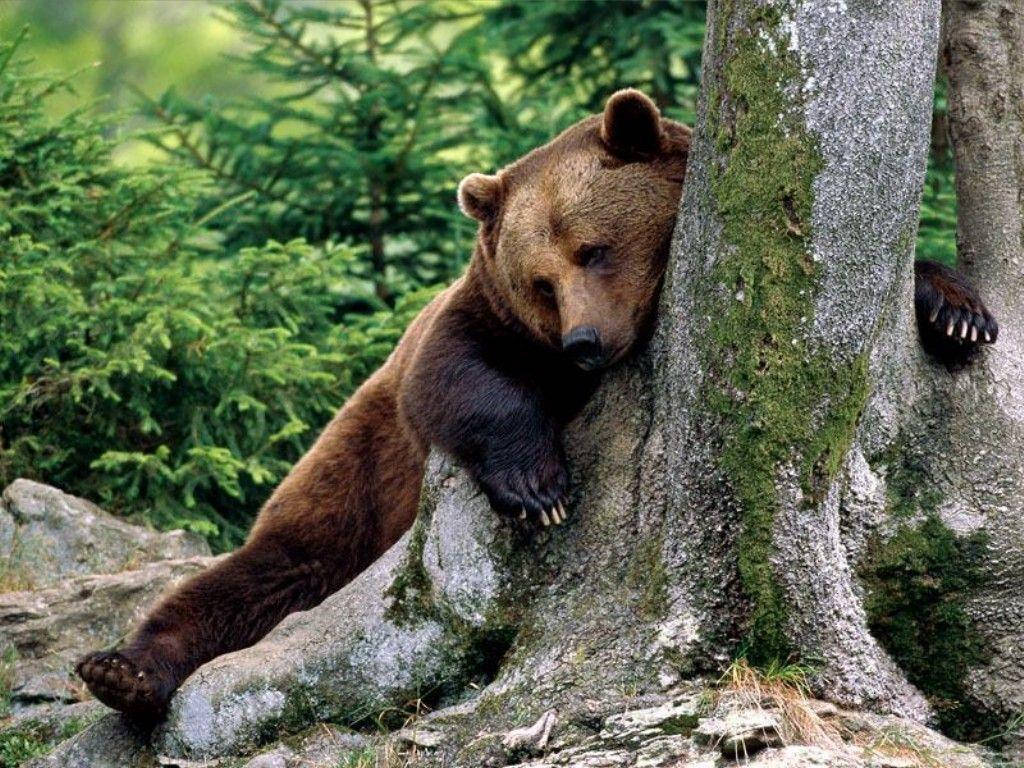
{"points": [[125, 685]]}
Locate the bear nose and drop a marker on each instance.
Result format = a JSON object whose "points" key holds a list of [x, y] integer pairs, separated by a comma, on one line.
{"points": [[583, 346]]}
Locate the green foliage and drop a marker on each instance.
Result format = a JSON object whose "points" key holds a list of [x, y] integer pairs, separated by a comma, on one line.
{"points": [[363, 143], [124, 45], [19, 745], [565, 58], [936, 236], [918, 583], [30, 738], [549, 63], [8, 659], [137, 369], [176, 332]]}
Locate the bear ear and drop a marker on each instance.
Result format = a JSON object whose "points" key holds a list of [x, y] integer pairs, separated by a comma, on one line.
{"points": [[631, 124], [480, 196]]}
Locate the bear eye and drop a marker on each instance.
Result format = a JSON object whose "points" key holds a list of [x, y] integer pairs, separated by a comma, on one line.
{"points": [[544, 288], [594, 255]]}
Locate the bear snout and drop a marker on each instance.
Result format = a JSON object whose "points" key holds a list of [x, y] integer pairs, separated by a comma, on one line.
{"points": [[583, 346]]}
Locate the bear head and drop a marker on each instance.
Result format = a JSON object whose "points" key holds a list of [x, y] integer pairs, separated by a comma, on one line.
{"points": [[574, 237]]}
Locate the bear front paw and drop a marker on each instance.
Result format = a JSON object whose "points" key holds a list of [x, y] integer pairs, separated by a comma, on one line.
{"points": [[951, 318], [529, 492]]}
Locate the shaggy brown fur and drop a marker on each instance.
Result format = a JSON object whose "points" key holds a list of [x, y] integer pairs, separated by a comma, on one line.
{"points": [[571, 248]]}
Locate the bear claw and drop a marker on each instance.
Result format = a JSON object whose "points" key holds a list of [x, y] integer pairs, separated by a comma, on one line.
{"points": [[556, 515], [952, 318], [532, 492]]}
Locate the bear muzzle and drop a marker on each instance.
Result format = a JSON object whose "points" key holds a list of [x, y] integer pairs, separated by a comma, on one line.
{"points": [[583, 346]]}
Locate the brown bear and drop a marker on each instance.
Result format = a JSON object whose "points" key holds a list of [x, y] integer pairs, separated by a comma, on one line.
{"points": [[571, 247]]}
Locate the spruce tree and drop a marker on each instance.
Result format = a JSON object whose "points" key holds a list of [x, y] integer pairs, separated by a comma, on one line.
{"points": [[360, 136], [561, 59], [141, 364]]}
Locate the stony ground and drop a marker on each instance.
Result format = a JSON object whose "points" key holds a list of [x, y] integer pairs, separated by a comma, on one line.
{"points": [[75, 578], [688, 729]]}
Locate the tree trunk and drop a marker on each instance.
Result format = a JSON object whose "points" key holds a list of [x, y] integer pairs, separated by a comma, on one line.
{"points": [[755, 483], [982, 410]]}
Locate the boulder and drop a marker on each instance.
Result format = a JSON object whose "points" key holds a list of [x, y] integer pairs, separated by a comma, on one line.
{"points": [[111, 742], [47, 536], [44, 631]]}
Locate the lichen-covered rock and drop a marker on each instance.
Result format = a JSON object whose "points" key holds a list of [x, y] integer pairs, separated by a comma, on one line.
{"points": [[44, 631], [111, 742], [740, 734], [324, 746], [801, 756], [663, 750], [47, 535], [673, 717], [275, 758]]}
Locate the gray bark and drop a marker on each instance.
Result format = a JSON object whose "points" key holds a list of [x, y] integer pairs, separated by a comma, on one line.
{"points": [[981, 412], [865, 96], [728, 482]]}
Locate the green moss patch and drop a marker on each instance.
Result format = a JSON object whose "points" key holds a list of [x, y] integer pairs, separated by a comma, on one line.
{"points": [[918, 582], [910, 490], [410, 591]]}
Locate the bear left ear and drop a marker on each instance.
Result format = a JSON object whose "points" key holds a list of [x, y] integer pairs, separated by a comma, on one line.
{"points": [[480, 196], [631, 124]]}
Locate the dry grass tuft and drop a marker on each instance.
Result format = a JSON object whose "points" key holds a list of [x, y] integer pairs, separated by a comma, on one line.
{"points": [[782, 688], [897, 742]]}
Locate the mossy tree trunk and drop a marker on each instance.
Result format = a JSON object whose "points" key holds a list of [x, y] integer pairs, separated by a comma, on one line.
{"points": [[759, 481], [786, 338], [972, 436]]}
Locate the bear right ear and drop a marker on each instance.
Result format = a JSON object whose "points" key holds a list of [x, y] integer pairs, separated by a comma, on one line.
{"points": [[631, 124], [480, 196]]}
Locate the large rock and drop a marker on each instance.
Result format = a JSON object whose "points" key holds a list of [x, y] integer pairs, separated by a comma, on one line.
{"points": [[111, 742], [114, 742], [49, 544], [47, 535], [43, 632]]}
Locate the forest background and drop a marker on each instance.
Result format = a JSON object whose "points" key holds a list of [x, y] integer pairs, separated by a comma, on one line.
{"points": [[217, 219]]}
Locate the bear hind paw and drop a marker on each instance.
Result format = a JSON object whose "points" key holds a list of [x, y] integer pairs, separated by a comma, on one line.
{"points": [[123, 685]]}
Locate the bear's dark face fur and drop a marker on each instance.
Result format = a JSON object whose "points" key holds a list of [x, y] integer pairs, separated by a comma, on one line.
{"points": [[574, 236]]}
